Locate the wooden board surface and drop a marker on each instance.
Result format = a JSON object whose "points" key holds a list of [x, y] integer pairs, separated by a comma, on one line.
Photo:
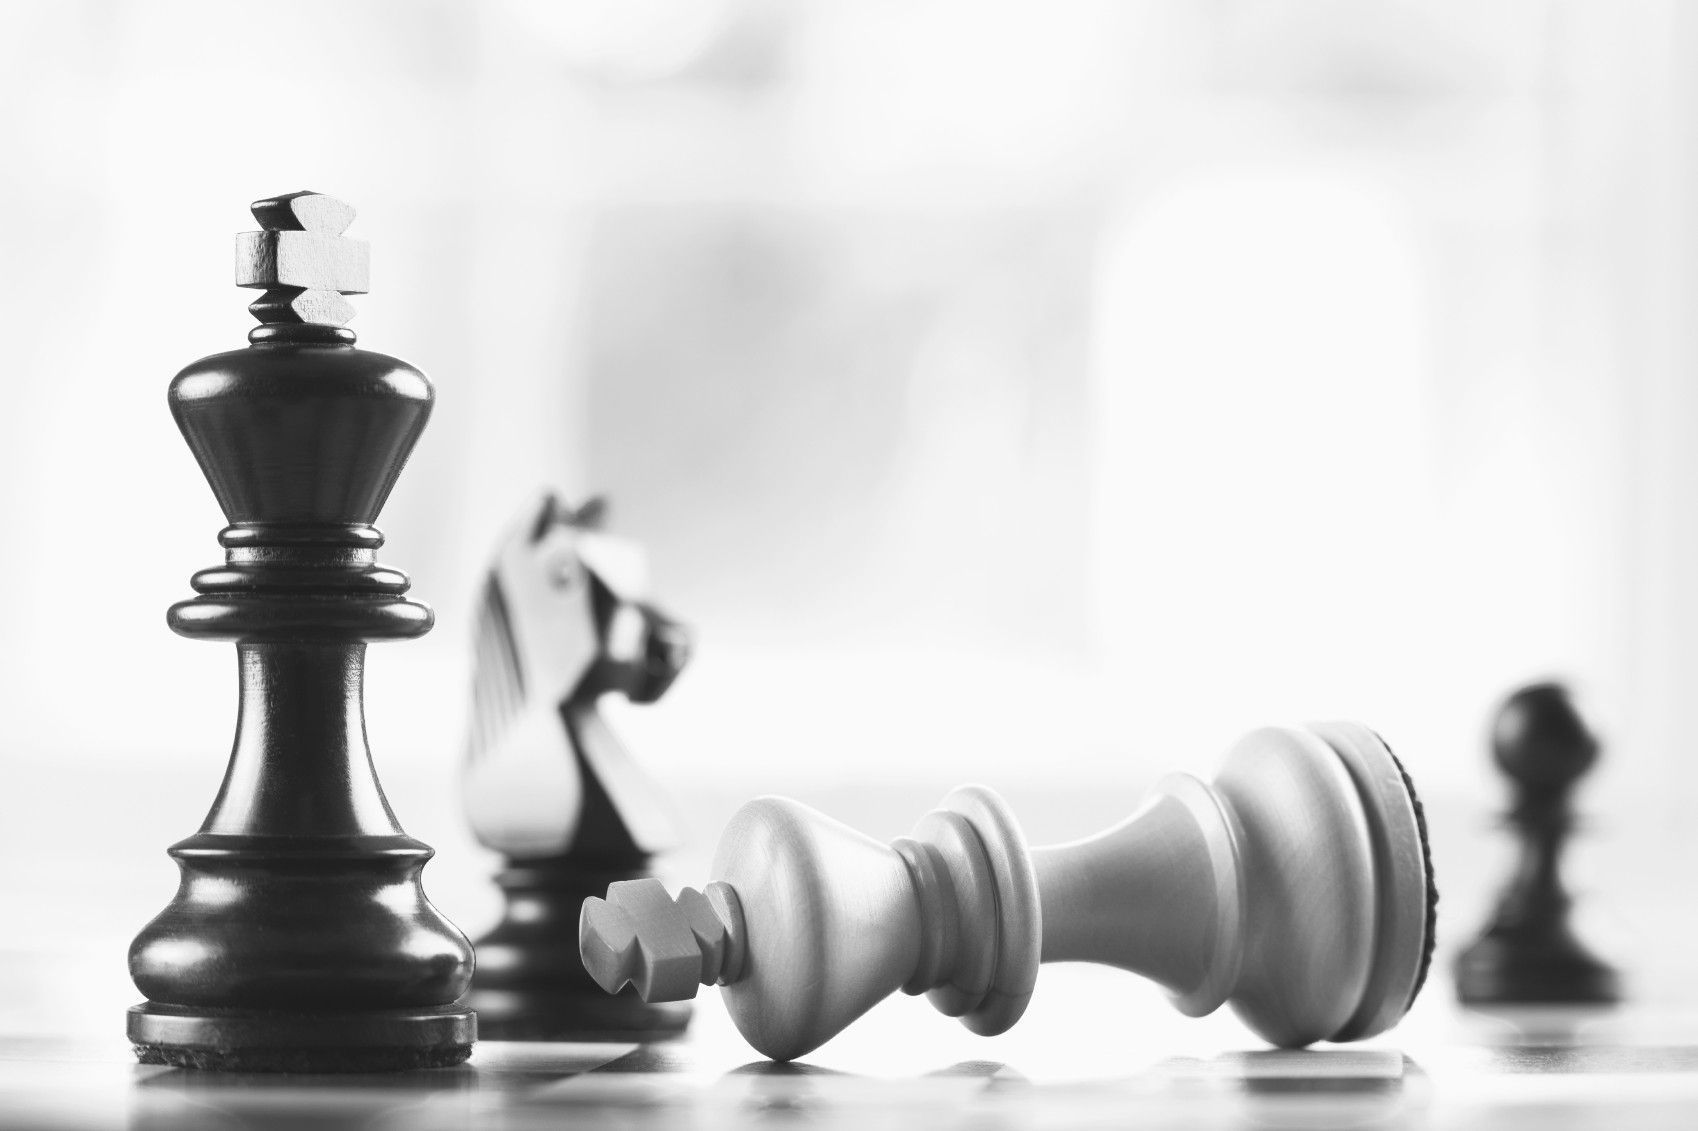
{"points": [[1096, 1048], [1068, 1065]]}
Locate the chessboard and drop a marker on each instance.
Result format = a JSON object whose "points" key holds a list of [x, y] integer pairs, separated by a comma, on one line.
{"points": [[1097, 1047], [1546, 1069]]}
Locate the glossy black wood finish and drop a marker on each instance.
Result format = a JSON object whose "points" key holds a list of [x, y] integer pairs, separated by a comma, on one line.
{"points": [[300, 938], [1528, 953], [531, 984]]}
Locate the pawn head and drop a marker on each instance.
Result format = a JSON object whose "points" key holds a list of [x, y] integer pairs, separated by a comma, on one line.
{"points": [[1540, 740]]}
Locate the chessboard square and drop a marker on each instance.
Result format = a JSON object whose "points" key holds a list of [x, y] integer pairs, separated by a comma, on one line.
{"points": [[1316, 1069]]}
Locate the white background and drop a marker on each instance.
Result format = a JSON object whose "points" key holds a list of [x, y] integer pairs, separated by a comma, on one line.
{"points": [[1019, 392]]}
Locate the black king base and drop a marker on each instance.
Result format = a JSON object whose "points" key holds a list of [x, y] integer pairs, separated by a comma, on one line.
{"points": [[300, 938]]}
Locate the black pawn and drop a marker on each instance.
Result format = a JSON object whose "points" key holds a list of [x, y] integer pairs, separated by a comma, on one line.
{"points": [[299, 938], [1528, 953]]}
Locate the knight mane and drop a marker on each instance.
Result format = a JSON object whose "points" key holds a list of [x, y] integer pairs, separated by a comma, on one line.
{"points": [[498, 678]]}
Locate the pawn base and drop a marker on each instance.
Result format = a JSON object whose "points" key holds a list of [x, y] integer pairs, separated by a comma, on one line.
{"points": [[278, 1041], [530, 983], [1499, 970]]}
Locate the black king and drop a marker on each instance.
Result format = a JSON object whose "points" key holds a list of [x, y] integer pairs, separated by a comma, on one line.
{"points": [[300, 938]]}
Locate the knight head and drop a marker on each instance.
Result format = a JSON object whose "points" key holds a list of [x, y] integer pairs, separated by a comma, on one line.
{"points": [[565, 620], [639, 649], [573, 600]]}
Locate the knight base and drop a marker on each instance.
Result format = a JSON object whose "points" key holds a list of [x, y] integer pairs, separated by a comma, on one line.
{"points": [[530, 984]]}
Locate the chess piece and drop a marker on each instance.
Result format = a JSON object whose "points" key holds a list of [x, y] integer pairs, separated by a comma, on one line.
{"points": [[300, 938], [1297, 886], [548, 785], [1527, 952]]}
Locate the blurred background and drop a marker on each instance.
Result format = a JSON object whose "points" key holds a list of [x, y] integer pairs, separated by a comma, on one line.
{"points": [[1037, 393]]}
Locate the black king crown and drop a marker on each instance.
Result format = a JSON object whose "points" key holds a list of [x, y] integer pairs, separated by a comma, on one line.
{"points": [[300, 938]]}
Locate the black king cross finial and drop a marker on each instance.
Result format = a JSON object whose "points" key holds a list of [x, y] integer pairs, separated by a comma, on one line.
{"points": [[302, 261], [300, 938]]}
